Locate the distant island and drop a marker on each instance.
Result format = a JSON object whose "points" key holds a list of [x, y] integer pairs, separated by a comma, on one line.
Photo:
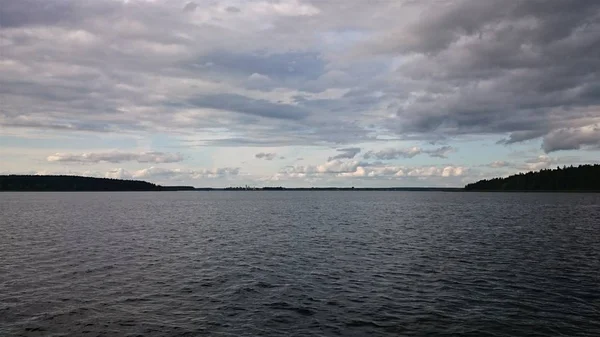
{"points": [[66, 183], [584, 178], [280, 188], [76, 183], [581, 178]]}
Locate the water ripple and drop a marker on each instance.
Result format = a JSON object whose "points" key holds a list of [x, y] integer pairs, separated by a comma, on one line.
{"points": [[299, 264]]}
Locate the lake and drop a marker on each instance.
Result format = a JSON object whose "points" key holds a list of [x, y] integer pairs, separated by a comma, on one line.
{"points": [[287, 263]]}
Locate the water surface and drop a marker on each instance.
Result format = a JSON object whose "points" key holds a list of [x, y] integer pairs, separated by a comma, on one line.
{"points": [[299, 264]]}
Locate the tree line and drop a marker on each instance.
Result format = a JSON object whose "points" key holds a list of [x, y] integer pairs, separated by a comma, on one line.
{"points": [[71, 183], [581, 178]]}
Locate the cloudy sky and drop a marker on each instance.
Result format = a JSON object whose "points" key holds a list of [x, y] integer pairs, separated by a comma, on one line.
{"points": [[298, 92]]}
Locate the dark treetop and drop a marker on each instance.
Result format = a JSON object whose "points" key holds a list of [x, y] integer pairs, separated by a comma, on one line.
{"points": [[75, 183], [582, 178]]}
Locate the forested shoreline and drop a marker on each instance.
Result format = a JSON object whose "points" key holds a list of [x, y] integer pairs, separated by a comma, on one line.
{"points": [[76, 183], [580, 178]]}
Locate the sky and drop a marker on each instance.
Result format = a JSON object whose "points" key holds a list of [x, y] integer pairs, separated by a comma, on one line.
{"points": [[298, 92]]}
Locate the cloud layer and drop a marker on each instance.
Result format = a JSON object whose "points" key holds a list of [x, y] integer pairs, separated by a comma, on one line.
{"points": [[162, 174], [377, 81], [499, 67]]}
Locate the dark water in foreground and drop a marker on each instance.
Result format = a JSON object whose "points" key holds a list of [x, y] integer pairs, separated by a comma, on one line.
{"points": [[299, 264]]}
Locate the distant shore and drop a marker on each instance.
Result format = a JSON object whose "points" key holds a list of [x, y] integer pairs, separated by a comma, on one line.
{"points": [[585, 178], [413, 189], [65, 183]]}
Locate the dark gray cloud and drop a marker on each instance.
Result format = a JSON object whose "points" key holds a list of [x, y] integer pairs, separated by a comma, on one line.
{"points": [[245, 105], [346, 153], [265, 155], [21, 13], [441, 152], [519, 67], [56, 125], [572, 139], [521, 136], [391, 153], [315, 130], [232, 9], [190, 7], [306, 72], [307, 65]]}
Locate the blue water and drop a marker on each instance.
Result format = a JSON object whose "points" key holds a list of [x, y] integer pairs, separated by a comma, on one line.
{"points": [[299, 264]]}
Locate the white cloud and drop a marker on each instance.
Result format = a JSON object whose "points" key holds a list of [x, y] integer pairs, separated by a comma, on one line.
{"points": [[364, 169], [538, 163], [176, 174], [258, 77], [390, 153], [118, 173], [499, 164], [116, 157]]}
